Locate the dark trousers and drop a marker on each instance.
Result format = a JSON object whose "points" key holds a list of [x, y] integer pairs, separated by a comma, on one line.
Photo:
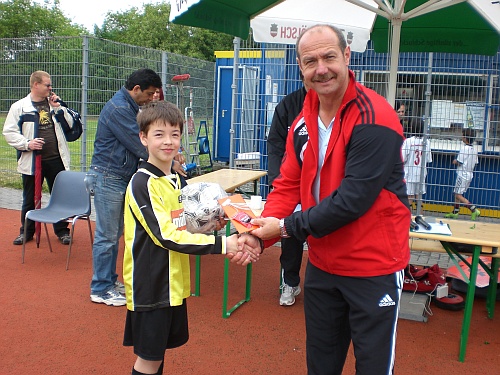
{"points": [[50, 168], [338, 309], [291, 259]]}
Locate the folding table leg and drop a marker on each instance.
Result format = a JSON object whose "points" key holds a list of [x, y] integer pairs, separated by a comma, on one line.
{"points": [[225, 312], [197, 277], [492, 288], [197, 274], [469, 302]]}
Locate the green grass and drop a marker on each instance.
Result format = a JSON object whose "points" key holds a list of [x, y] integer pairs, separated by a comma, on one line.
{"points": [[11, 179]]}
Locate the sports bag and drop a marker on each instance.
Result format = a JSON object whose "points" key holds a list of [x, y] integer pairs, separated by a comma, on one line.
{"points": [[424, 280], [74, 132]]}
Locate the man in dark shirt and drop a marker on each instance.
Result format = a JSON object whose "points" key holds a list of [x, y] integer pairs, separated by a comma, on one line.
{"points": [[291, 248]]}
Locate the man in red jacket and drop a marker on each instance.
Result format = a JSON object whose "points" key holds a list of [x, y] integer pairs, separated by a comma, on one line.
{"points": [[343, 164]]}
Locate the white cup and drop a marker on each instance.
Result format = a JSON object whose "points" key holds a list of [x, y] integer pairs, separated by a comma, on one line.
{"points": [[256, 202]]}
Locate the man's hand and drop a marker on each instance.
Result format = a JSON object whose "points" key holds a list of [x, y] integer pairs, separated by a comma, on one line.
{"points": [[243, 249], [36, 144], [177, 167], [54, 100], [269, 228], [180, 158]]}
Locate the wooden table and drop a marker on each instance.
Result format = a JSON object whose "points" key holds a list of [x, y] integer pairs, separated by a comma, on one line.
{"points": [[230, 180], [485, 238]]}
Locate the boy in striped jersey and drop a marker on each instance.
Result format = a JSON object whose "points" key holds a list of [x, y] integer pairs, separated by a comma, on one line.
{"points": [[413, 159], [156, 269], [465, 162]]}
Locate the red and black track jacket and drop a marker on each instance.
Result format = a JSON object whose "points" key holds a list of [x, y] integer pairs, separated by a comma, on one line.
{"points": [[360, 226]]}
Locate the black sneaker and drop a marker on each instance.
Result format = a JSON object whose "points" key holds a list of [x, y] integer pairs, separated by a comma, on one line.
{"points": [[19, 239], [65, 239]]}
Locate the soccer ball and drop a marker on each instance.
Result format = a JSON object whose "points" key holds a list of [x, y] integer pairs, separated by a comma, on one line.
{"points": [[201, 208]]}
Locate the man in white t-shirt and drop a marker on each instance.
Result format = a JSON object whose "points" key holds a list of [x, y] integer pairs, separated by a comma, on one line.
{"points": [[413, 157], [465, 162]]}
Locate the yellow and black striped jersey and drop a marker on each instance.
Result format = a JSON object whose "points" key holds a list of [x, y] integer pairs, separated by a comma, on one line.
{"points": [[157, 244]]}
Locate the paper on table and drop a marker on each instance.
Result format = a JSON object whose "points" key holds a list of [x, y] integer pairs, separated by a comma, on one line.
{"points": [[436, 228], [235, 205]]}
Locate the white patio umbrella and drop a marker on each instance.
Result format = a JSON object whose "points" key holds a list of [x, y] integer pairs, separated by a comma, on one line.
{"points": [[456, 26], [459, 26], [284, 22]]}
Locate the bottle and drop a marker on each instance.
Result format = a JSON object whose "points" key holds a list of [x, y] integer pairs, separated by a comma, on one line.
{"points": [[470, 119]]}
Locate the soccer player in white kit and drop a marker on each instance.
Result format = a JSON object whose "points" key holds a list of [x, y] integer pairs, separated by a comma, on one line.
{"points": [[465, 162], [413, 159]]}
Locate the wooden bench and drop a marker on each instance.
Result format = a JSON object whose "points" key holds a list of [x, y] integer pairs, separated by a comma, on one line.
{"points": [[230, 180], [433, 246], [485, 240]]}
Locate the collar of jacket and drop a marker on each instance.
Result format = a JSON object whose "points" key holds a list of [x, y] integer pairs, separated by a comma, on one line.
{"points": [[311, 110], [129, 99]]}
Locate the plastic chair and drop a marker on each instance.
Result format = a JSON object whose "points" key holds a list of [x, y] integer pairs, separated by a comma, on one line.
{"points": [[69, 201]]}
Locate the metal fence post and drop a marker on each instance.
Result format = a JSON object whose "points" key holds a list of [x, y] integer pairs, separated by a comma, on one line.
{"points": [[83, 110]]}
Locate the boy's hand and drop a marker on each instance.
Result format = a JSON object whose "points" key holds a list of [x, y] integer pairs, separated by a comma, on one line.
{"points": [[221, 223], [243, 249]]}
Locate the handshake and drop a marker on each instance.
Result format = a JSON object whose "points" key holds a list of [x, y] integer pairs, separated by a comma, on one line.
{"points": [[249, 246], [243, 248]]}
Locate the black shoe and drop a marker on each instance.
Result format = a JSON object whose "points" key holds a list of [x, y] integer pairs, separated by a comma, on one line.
{"points": [[65, 239], [19, 239]]}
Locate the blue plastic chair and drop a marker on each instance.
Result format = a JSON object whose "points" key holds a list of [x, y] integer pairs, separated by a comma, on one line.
{"points": [[69, 201]]}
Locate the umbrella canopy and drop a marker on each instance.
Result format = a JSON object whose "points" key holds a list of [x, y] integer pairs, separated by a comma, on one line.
{"points": [[284, 22], [227, 16], [276, 21], [458, 26], [455, 26], [467, 27]]}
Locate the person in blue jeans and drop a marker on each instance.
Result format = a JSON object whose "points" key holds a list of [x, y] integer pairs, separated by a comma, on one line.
{"points": [[117, 151]]}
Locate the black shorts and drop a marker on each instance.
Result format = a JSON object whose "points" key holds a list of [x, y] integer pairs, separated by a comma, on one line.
{"points": [[153, 332]]}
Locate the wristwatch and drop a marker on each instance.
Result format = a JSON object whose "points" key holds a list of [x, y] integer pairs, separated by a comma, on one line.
{"points": [[283, 232], [28, 146]]}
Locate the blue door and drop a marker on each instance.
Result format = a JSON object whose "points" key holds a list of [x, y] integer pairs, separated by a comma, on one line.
{"points": [[222, 114], [246, 126]]}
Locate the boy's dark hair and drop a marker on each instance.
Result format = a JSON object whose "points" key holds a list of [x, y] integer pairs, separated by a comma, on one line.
{"points": [[145, 78], [469, 135], [416, 126], [163, 111]]}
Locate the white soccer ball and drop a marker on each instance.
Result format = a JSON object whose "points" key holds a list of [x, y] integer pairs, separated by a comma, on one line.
{"points": [[201, 208]]}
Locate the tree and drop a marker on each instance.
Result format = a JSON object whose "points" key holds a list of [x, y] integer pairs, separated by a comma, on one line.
{"points": [[149, 27], [25, 18]]}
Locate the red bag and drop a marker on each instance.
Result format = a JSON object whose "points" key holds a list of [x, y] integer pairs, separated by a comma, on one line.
{"points": [[424, 280]]}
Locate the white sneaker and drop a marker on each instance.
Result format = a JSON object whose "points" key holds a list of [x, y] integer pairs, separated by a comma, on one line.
{"points": [[119, 287], [110, 298], [288, 294]]}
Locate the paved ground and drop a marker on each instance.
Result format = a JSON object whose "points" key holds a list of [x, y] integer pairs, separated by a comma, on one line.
{"points": [[49, 326], [12, 198]]}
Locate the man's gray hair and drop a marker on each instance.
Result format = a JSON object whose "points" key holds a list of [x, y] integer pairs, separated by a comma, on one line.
{"points": [[336, 30]]}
